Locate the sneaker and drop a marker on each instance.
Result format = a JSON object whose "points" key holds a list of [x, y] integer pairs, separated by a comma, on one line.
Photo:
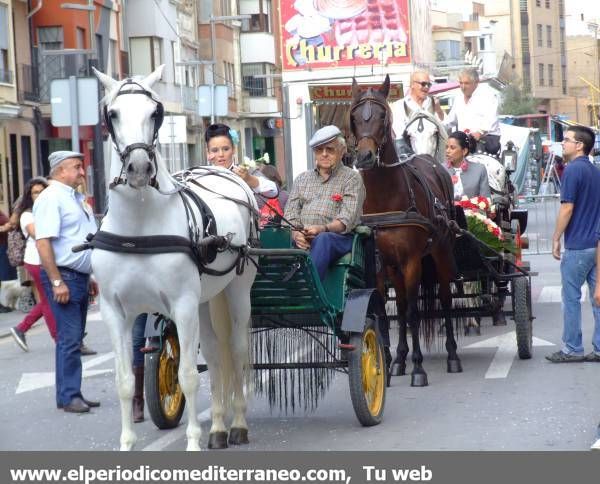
{"points": [[5, 309], [19, 337], [593, 356], [562, 357], [86, 351]]}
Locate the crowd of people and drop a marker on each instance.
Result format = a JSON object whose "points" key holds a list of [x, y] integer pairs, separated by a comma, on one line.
{"points": [[323, 207]]}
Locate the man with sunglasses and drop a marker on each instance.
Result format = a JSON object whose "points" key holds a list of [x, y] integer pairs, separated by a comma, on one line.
{"points": [[417, 99], [325, 203], [475, 111], [577, 219]]}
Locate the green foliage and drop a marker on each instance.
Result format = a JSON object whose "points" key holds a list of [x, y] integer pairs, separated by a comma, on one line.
{"points": [[480, 230], [515, 101]]}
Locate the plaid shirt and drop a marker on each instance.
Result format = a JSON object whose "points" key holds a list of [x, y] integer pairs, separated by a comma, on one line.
{"points": [[312, 200]]}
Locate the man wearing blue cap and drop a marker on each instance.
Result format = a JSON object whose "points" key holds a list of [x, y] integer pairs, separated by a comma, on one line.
{"points": [[63, 220], [326, 202]]}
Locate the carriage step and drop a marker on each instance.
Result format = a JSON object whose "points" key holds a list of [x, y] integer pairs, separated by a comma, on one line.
{"points": [[289, 366]]}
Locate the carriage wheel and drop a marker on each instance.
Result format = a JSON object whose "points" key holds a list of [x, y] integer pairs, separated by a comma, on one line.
{"points": [[522, 315], [164, 397], [367, 375]]}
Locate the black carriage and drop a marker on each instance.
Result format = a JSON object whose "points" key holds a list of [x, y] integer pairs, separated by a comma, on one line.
{"points": [[303, 329]]}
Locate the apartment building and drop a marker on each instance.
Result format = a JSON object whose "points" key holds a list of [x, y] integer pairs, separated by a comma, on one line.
{"points": [[19, 117]]}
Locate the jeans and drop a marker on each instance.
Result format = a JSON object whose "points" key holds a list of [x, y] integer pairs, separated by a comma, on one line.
{"points": [[70, 325], [576, 268], [42, 308], [327, 247], [139, 341]]}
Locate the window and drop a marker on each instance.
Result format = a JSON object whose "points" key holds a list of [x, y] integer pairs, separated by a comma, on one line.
{"points": [[145, 54], [547, 3], [541, 74], [549, 35], [255, 86], [225, 7], [540, 42], [563, 74], [5, 74], [114, 59], [229, 70], [551, 75], [258, 22], [538, 3]]}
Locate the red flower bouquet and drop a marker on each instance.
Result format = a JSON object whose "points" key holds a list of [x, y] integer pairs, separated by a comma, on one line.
{"points": [[337, 197]]}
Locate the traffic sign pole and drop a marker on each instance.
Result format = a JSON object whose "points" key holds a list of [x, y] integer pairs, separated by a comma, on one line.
{"points": [[74, 114]]}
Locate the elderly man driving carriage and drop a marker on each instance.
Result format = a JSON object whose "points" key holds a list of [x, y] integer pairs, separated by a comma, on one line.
{"points": [[325, 203], [475, 111]]}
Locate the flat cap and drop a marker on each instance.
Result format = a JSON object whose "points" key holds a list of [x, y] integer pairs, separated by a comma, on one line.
{"points": [[59, 156], [324, 135]]}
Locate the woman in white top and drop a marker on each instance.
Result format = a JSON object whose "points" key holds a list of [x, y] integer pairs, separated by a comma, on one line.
{"points": [[32, 264]]}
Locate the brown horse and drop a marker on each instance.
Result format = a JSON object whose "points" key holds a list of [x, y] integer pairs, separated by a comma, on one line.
{"points": [[409, 204]]}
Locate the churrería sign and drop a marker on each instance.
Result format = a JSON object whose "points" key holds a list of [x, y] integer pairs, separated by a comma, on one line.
{"points": [[343, 33]]}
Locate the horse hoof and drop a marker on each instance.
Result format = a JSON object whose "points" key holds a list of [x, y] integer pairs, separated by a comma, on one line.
{"points": [[472, 331], [238, 436], [217, 440], [419, 380], [454, 366], [397, 369]]}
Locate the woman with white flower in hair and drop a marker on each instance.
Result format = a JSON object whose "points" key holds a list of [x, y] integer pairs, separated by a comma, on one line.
{"points": [[220, 148]]}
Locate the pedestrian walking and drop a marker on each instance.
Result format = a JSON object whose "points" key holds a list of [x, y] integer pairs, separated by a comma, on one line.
{"points": [[63, 220], [577, 219], [31, 262]]}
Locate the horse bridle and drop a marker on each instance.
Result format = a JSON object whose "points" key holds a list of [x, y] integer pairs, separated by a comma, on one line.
{"points": [[158, 115], [420, 116], [366, 115]]}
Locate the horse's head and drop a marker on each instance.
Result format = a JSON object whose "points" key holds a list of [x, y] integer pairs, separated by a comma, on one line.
{"points": [[133, 114], [424, 133], [370, 123]]}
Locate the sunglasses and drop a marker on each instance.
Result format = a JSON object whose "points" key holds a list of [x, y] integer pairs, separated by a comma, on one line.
{"points": [[423, 83]]}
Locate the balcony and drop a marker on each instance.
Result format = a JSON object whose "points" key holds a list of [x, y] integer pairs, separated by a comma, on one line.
{"points": [[60, 66], [260, 107], [6, 77], [27, 84]]}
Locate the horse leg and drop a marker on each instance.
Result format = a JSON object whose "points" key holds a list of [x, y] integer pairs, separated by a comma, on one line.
{"points": [[120, 331], [412, 279], [388, 354], [211, 350], [186, 320], [444, 275], [238, 298], [399, 365]]}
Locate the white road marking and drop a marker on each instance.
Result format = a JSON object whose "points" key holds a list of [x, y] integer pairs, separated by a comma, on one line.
{"points": [[552, 294], [37, 380], [505, 354]]}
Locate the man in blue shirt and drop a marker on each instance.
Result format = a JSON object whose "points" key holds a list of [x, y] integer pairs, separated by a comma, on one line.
{"points": [[577, 219], [62, 220]]}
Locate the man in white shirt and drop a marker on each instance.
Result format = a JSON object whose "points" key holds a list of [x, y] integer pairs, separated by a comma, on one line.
{"points": [[63, 220], [417, 99], [475, 111]]}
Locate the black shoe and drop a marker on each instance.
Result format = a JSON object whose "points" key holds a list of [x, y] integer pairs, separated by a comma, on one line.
{"points": [[5, 309], [562, 357], [593, 356], [19, 337], [77, 405], [90, 403], [85, 351]]}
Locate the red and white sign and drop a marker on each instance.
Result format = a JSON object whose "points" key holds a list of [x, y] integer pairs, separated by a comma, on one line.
{"points": [[343, 33]]}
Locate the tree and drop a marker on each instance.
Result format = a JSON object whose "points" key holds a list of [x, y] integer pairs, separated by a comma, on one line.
{"points": [[516, 101]]}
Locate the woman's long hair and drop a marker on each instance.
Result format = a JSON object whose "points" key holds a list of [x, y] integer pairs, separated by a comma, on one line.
{"points": [[27, 200]]}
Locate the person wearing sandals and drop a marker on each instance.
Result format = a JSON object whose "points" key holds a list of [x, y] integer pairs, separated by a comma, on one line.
{"points": [[32, 264], [577, 219]]}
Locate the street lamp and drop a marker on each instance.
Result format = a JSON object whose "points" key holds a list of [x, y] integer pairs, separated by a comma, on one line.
{"points": [[213, 42]]}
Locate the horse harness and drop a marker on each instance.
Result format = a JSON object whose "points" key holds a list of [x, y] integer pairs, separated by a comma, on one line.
{"points": [[419, 116], [202, 247], [158, 116]]}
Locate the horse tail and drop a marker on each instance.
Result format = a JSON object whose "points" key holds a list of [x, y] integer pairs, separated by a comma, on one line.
{"points": [[221, 323]]}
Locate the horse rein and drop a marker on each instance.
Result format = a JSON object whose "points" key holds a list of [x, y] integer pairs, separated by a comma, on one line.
{"points": [[150, 149]]}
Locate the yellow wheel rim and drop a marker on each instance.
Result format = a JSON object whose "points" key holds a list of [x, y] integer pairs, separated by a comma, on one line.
{"points": [[170, 393], [373, 372]]}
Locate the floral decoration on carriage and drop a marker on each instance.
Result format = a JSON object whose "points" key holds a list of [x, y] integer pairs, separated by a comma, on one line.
{"points": [[479, 212]]}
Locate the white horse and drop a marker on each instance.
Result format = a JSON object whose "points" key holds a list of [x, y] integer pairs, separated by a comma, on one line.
{"points": [[144, 200], [426, 134]]}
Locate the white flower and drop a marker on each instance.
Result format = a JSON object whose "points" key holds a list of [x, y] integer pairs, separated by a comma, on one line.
{"points": [[266, 158]]}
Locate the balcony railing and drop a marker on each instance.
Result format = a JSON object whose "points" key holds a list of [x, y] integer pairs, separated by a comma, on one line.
{"points": [[60, 66], [27, 83], [6, 76]]}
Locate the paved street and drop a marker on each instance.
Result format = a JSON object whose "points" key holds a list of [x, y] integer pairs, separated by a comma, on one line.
{"points": [[498, 403]]}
